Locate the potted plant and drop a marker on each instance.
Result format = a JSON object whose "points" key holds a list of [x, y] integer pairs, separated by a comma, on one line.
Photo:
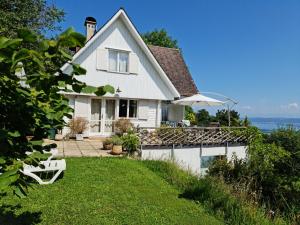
{"points": [[107, 144], [117, 145], [131, 142], [123, 126], [77, 126]]}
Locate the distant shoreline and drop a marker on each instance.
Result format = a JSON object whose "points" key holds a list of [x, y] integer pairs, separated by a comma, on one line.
{"points": [[268, 124]]}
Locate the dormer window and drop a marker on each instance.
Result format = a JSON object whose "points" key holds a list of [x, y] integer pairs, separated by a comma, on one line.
{"points": [[118, 61]]}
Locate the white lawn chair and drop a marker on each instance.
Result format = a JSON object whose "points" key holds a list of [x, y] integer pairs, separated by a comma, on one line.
{"points": [[53, 152], [55, 166]]}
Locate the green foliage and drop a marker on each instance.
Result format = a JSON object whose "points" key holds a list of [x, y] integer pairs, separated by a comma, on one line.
{"points": [[107, 141], [35, 15], [116, 140], [192, 118], [222, 118], [131, 142], [190, 115], [213, 194], [159, 38], [246, 122], [271, 174], [32, 104], [203, 118], [187, 111]]}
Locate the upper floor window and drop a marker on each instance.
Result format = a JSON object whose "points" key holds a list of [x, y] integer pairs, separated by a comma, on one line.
{"points": [[118, 61]]}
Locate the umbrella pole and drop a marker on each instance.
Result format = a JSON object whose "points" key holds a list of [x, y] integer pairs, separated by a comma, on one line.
{"points": [[228, 113]]}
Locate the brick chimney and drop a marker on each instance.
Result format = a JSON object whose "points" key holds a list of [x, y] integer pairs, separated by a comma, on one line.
{"points": [[90, 24]]}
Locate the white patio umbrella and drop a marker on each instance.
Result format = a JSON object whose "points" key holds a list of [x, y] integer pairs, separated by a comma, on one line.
{"points": [[199, 100]]}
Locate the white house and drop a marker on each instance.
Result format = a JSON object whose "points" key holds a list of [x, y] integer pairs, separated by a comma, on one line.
{"points": [[146, 78]]}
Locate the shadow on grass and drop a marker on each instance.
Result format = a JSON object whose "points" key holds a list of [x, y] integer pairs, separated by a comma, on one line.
{"points": [[8, 216]]}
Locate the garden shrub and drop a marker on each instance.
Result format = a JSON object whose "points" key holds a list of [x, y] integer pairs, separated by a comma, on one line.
{"points": [[213, 194], [123, 126], [78, 125], [270, 176], [131, 142]]}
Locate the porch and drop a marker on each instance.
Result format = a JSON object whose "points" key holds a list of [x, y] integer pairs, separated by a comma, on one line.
{"points": [[195, 148], [166, 136], [102, 112]]}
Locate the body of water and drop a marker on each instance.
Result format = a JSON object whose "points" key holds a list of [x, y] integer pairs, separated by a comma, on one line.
{"points": [[269, 124]]}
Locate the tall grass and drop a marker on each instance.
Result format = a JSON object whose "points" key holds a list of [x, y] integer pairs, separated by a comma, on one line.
{"points": [[214, 195]]}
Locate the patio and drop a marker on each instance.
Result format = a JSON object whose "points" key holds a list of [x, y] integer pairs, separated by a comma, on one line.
{"points": [[85, 148]]}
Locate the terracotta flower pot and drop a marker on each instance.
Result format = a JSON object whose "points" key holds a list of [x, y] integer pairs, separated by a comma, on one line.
{"points": [[116, 149]]}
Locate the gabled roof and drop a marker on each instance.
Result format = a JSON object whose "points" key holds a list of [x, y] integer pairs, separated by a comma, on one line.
{"points": [[172, 62], [122, 15]]}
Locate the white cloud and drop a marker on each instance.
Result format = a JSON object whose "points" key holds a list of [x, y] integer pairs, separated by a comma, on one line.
{"points": [[291, 106]]}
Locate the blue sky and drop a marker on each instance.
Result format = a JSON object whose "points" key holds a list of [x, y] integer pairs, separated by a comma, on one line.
{"points": [[247, 50]]}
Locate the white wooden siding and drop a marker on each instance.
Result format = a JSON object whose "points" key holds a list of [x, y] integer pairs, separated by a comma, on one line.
{"points": [[82, 106], [133, 63], [146, 84], [102, 59], [151, 114]]}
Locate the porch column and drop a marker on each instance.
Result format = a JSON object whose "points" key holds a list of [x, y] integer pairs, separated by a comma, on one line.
{"points": [[117, 109], [158, 113]]}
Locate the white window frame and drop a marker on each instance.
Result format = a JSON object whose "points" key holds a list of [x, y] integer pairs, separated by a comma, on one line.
{"points": [[127, 112], [118, 60]]}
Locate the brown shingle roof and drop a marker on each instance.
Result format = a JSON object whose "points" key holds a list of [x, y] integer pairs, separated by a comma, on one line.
{"points": [[172, 62]]}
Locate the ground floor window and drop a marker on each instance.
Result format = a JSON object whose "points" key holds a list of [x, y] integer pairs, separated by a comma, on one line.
{"points": [[207, 160], [164, 112], [128, 108], [123, 108]]}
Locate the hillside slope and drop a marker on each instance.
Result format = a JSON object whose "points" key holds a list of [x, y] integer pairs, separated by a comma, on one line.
{"points": [[104, 191]]}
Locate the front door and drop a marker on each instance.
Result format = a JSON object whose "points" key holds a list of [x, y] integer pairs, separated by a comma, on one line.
{"points": [[110, 106], [96, 116], [102, 116]]}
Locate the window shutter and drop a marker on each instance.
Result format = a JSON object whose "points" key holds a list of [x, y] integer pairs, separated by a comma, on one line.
{"points": [[102, 59], [133, 63], [143, 110]]}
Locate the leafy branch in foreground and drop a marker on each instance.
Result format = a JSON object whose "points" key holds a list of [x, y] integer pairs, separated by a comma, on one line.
{"points": [[33, 103]]}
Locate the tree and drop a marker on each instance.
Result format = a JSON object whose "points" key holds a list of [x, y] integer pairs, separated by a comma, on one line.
{"points": [[203, 118], [246, 122], [190, 115], [28, 111], [187, 111], [35, 15], [222, 118], [159, 38]]}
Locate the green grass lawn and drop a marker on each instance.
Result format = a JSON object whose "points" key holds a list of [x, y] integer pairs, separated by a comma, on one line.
{"points": [[104, 191]]}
